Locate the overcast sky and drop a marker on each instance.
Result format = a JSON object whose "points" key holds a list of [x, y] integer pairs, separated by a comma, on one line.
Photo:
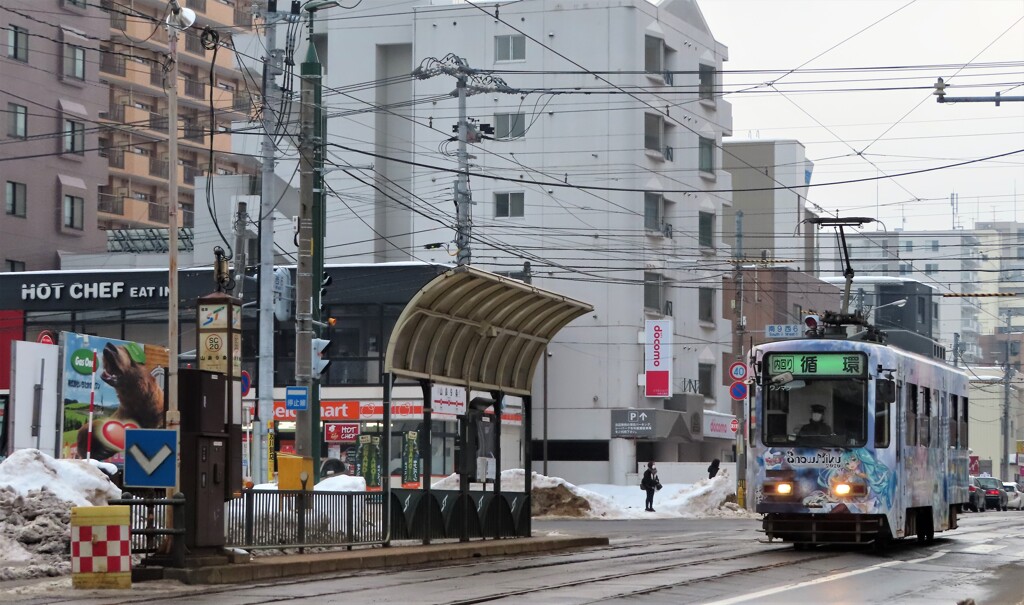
{"points": [[896, 131]]}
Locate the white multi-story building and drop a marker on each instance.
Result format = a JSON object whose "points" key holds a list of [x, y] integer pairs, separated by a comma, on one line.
{"points": [[599, 174]]}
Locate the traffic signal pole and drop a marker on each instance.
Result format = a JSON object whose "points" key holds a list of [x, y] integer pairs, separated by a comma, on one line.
{"points": [[307, 439]]}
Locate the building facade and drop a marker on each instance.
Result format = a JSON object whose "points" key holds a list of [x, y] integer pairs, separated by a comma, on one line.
{"points": [[51, 98], [607, 196]]}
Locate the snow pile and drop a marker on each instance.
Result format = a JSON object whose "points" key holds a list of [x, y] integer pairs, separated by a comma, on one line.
{"points": [[77, 482], [36, 496]]}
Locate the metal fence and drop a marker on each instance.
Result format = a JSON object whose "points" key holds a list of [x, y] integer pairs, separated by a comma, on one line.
{"points": [[296, 518], [148, 519]]}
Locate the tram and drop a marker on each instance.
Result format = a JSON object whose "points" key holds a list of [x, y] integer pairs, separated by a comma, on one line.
{"points": [[854, 441]]}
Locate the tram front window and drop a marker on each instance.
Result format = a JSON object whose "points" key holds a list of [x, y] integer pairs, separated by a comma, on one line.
{"points": [[816, 413]]}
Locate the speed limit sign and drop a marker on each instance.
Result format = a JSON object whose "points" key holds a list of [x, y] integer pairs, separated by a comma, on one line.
{"points": [[738, 371]]}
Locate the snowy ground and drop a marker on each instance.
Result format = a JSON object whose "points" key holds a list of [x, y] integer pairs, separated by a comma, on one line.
{"points": [[37, 493]]}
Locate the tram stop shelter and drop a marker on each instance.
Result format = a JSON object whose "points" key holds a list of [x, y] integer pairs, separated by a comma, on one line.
{"points": [[482, 332]]}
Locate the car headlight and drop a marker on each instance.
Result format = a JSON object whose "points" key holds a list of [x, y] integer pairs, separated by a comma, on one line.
{"points": [[841, 489], [784, 489]]}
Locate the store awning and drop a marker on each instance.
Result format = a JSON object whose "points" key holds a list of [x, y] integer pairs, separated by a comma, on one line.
{"points": [[479, 330]]}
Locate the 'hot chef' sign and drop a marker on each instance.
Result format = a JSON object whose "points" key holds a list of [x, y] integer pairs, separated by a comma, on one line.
{"points": [[89, 290]]}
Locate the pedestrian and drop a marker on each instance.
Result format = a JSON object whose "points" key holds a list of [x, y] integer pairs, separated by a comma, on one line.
{"points": [[650, 484], [713, 469]]}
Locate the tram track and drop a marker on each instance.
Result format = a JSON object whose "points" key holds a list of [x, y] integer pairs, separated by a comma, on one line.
{"points": [[610, 555]]}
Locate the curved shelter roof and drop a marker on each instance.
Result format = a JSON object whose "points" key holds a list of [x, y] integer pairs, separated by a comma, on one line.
{"points": [[476, 329]]}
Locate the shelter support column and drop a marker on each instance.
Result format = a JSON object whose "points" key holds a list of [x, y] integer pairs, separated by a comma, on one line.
{"points": [[427, 452], [527, 445], [621, 460]]}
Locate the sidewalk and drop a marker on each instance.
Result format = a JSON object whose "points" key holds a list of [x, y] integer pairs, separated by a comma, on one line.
{"points": [[285, 566]]}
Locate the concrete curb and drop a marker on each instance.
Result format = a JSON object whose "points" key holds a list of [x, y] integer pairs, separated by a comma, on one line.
{"points": [[285, 566]]}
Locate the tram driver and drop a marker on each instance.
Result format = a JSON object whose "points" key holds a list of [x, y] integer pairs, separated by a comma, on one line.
{"points": [[817, 427]]}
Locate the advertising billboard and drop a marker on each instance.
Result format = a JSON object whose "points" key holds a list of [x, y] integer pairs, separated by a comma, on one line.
{"points": [[658, 358], [123, 383]]}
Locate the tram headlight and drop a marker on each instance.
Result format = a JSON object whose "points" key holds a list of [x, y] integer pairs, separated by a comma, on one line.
{"points": [[784, 489], [842, 489]]}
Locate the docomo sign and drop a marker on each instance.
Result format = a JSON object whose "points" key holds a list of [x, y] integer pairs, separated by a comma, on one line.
{"points": [[329, 410], [720, 425], [658, 358]]}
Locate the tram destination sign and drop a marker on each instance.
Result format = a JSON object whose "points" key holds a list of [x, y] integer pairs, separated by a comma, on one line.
{"points": [[818, 364]]}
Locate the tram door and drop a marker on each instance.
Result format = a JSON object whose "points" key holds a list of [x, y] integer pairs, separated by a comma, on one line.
{"points": [[899, 512]]}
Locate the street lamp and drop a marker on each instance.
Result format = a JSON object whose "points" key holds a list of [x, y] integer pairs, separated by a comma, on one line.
{"points": [[897, 303], [178, 19]]}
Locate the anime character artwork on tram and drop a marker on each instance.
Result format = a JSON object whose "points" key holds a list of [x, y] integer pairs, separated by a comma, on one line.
{"points": [[855, 442]]}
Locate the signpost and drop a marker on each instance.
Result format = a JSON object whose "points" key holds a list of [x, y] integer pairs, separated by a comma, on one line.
{"points": [[738, 391], [296, 398], [783, 331], [632, 424], [149, 457]]}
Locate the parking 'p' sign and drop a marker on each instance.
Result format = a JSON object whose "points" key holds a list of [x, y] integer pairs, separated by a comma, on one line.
{"points": [[738, 371]]}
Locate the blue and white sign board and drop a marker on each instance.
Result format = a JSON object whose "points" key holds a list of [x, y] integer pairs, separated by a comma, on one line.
{"points": [[738, 391], [783, 331], [149, 457], [296, 398]]}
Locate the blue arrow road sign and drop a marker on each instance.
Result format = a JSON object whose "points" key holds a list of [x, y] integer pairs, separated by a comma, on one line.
{"points": [[149, 457], [296, 398], [738, 391]]}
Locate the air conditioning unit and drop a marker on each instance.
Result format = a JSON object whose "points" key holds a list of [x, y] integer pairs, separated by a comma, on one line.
{"points": [[669, 154], [668, 308], [666, 230]]}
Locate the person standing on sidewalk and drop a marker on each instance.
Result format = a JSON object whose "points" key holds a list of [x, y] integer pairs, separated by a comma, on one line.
{"points": [[650, 484]]}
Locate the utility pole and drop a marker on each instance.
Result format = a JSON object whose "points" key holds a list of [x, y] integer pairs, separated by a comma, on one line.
{"points": [[456, 66], [740, 406], [1004, 456], [463, 201], [268, 198], [241, 218], [305, 440]]}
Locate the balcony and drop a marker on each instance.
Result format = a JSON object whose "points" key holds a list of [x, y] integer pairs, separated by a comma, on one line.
{"points": [[156, 75], [158, 168], [197, 5], [195, 88], [190, 173], [194, 131], [115, 158], [158, 213], [115, 114], [242, 102], [158, 122], [242, 18], [194, 44], [112, 64], [110, 204]]}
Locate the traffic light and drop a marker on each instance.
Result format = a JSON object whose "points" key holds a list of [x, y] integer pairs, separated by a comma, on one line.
{"points": [[326, 281], [319, 363]]}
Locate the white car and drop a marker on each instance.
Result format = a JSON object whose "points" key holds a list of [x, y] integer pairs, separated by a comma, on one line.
{"points": [[1014, 497]]}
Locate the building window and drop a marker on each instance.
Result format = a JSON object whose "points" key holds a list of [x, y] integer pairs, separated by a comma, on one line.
{"points": [[510, 48], [15, 196], [653, 205], [707, 155], [706, 379], [509, 125], [74, 137], [654, 132], [706, 304], [935, 245], [654, 291], [508, 205], [74, 208], [908, 246], [654, 54], [1020, 253], [17, 43], [706, 88], [885, 269], [74, 62], [14, 266], [930, 268], [904, 268], [17, 120], [706, 230]]}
